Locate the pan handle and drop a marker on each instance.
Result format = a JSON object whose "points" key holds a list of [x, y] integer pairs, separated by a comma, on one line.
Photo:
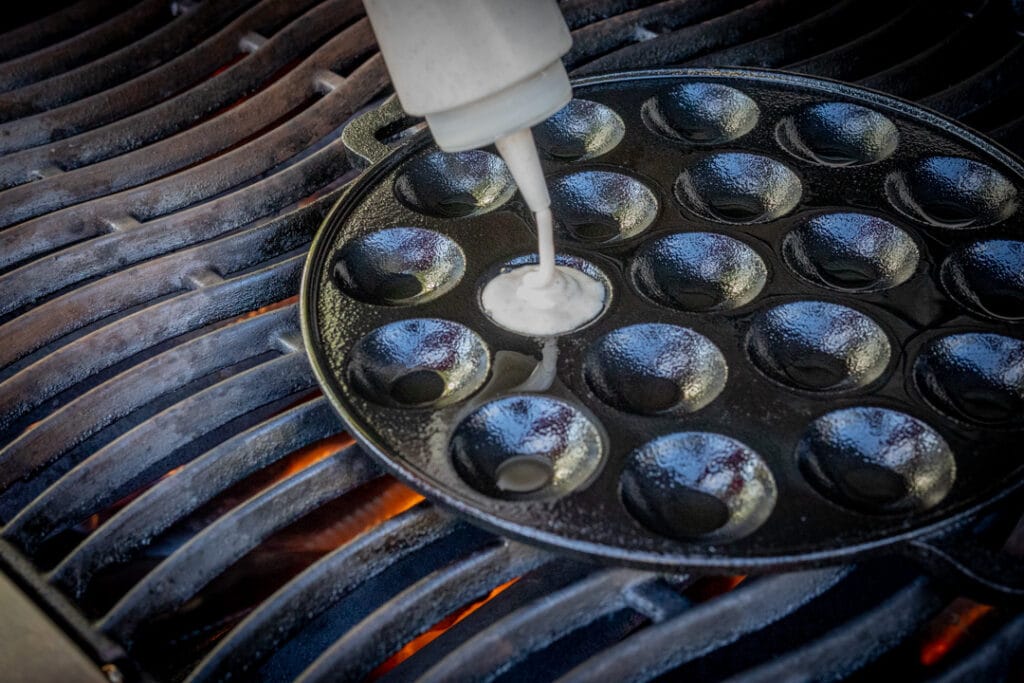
{"points": [[363, 136], [989, 575]]}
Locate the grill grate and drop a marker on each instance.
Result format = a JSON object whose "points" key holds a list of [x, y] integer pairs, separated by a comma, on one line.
{"points": [[164, 166]]}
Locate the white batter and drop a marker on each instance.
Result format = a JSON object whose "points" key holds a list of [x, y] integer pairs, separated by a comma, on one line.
{"points": [[521, 301], [545, 299]]}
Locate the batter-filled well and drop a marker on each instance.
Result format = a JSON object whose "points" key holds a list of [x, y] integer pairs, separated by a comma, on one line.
{"points": [[545, 299]]}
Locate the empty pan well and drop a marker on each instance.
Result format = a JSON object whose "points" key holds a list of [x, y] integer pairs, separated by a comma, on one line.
{"points": [[976, 377], [851, 252], [698, 271], [418, 363], [818, 346], [399, 266], [738, 187], [526, 446], [454, 185], [655, 368], [701, 113], [698, 486], [838, 134], [580, 130], [952, 192], [601, 206], [988, 278], [877, 460]]}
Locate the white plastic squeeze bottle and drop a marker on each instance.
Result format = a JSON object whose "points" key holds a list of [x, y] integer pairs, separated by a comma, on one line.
{"points": [[481, 72]]}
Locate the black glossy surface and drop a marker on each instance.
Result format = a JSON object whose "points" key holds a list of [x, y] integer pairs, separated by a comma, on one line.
{"points": [[455, 184], [694, 485], [738, 187], [526, 445], [400, 266], [699, 271], [591, 207], [877, 460], [988, 277], [752, 292], [953, 192], [978, 377], [655, 368], [418, 363], [701, 113], [839, 134], [818, 346], [851, 252], [580, 130]]}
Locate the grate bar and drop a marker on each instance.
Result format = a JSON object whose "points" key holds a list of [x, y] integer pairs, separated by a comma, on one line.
{"points": [[68, 426], [747, 23], [114, 471], [114, 251], [172, 498], [657, 600], [841, 20], [705, 628], [267, 239], [861, 55], [927, 70], [578, 13], [168, 156], [323, 585], [997, 659], [139, 110], [856, 643], [174, 37], [58, 26], [118, 341], [217, 547], [85, 46], [251, 42], [983, 88], [602, 37], [534, 626], [1011, 134], [417, 608]]}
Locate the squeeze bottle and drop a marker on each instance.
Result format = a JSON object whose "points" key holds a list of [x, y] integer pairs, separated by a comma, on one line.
{"points": [[479, 72]]}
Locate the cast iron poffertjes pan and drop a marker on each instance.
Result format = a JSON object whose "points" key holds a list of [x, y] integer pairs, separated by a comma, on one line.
{"points": [[812, 348]]}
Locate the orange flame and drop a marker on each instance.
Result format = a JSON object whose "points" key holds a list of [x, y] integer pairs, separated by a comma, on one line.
{"points": [[172, 472], [371, 504], [421, 641], [713, 586], [730, 582], [228, 64], [94, 521], [312, 454], [269, 307], [950, 627], [388, 499]]}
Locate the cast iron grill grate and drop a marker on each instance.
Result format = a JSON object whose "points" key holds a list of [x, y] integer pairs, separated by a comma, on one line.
{"points": [[172, 484]]}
